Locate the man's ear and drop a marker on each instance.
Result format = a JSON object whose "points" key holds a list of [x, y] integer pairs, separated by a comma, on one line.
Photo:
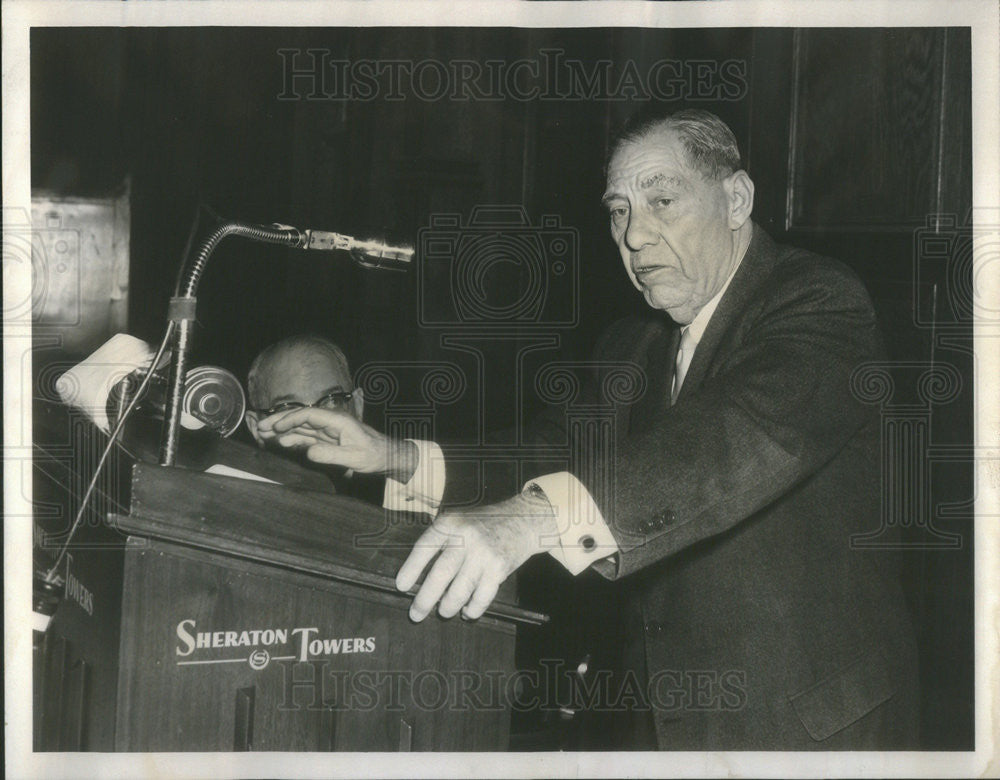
{"points": [[358, 401], [739, 192], [250, 418]]}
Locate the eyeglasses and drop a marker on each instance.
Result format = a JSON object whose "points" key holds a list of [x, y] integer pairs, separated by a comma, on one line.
{"points": [[336, 401]]}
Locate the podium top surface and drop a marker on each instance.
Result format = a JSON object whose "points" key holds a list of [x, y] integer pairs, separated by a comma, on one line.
{"points": [[333, 536], [300, 524], [295, 521]]}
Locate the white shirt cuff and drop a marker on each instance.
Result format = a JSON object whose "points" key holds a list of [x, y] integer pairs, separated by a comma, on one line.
{"points": [[425, 488], [583, 537]]}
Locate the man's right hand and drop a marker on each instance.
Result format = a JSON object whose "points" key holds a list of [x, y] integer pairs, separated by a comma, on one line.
{"points": [[338, 438]]}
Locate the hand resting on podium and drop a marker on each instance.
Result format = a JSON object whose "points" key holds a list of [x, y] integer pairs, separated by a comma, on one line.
{"points": [[470, 552]]}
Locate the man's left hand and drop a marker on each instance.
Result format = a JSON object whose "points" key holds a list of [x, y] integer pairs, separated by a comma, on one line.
{"points": [[479, 548]]}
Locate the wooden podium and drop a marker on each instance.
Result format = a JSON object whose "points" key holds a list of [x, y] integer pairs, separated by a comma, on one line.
{"points": [[215, 613]]}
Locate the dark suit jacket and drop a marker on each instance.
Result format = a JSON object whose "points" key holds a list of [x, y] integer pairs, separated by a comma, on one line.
{"points": [[758, 625]]}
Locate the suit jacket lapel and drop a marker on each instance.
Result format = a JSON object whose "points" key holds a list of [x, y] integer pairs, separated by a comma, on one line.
{"points": [[754, 269]]}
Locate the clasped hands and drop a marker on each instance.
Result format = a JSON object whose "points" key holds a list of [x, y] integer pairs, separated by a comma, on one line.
{"points": [[470, 552]]}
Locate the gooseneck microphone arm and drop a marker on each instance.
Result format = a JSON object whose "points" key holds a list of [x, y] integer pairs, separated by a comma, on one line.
{"points": [[181, 312]]}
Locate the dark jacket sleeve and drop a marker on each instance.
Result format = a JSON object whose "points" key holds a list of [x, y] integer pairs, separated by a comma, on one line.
{"points": [[775, 406]]}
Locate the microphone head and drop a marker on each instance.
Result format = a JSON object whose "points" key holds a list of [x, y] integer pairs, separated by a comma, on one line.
{"points": [[368, 253], [375, 254]]}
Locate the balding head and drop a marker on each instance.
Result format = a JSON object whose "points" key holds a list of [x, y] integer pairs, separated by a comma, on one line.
{"points": [[301, 369]]}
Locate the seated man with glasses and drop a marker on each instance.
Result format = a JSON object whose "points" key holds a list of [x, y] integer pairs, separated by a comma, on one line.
{"points": [[307, 371], [296, 372]]}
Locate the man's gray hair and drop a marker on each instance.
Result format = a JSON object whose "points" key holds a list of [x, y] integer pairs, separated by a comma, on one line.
{"points": [[303, 341], [710, 143]]}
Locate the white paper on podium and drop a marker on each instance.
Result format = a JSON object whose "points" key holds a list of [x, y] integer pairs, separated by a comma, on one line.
{"points": [[229, 471]]}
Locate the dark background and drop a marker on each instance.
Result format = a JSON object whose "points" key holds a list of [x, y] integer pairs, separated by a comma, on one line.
{"points": [[854, 138]]}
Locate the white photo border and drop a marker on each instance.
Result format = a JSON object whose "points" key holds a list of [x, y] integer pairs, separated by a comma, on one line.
{"points": [[980, 15]]}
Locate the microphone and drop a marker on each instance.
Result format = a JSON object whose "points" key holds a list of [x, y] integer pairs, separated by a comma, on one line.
{"points": [[181, 314], [369, 253]]}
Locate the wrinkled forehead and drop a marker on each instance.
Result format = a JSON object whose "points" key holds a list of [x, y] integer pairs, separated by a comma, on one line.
{"points": [[657, 157]]}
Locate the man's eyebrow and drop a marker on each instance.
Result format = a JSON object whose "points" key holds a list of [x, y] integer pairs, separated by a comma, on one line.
{"points": [[660, 178], [653, 180]]}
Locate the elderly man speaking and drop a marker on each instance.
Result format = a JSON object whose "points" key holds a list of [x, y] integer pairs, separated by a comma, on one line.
{"points": [[744, 471]]}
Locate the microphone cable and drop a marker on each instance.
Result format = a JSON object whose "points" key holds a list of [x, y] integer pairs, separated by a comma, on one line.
{"points": [[50, 576]]}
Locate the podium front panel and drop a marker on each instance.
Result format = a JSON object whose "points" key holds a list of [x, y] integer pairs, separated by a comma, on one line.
{"points": [[224, 654], [201, 612]]}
